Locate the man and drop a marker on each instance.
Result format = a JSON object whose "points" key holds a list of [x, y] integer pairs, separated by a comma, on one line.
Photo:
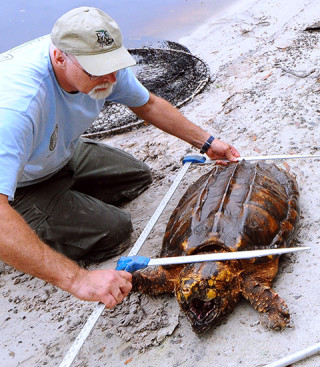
{"points": [[56, 189]]}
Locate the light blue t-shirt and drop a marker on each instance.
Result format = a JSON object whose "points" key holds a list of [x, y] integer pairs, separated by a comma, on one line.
{"points": [[40, 123]]}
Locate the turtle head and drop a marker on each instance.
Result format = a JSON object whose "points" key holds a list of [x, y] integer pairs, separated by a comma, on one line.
{"points": [[207, 291]]}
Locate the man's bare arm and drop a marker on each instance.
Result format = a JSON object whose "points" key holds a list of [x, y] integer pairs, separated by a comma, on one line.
{"points": [[163, 115], [21, 248]]}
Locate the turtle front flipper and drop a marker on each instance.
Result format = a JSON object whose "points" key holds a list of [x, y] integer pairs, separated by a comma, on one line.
{"points": [[153, 282], [274, 312]]}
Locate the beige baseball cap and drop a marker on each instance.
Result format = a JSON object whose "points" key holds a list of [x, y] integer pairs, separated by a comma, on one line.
{"points": [[93, 38]]}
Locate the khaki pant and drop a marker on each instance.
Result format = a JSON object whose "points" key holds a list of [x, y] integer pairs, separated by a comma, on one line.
{"points": [[71, 211]]}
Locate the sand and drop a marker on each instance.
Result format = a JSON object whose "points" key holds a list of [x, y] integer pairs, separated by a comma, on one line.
{"points": [[264, 99]]}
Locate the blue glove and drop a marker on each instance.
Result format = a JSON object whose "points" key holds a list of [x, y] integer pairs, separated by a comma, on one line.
{"points": [[132, 263]]}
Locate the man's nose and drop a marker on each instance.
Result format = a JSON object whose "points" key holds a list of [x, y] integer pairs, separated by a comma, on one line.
{"points": [[110, 78]]}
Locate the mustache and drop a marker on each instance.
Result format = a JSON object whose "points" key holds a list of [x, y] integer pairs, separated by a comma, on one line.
{"points": [[97, 93], [101, 86]]}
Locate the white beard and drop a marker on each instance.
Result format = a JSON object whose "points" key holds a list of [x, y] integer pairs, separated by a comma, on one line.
{"points": [[95, 93]]}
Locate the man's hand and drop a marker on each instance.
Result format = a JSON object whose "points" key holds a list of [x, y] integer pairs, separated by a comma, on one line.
{"points": [[21, 248], [107, 286], [221, 150]]}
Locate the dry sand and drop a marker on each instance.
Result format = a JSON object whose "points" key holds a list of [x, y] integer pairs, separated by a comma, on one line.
{"points": [[264, 98]]}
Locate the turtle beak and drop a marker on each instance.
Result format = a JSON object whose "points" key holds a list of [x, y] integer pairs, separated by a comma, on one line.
{"points": [[197, 296], [204, 294], [202, 314]]}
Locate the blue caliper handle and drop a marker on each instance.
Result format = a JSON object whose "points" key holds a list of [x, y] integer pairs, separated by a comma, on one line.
{"points": [[194, 159], [132, 263]]}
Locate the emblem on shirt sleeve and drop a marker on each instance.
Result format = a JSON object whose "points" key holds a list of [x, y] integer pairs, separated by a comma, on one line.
{"points": [[104, 39], [53, 139]]}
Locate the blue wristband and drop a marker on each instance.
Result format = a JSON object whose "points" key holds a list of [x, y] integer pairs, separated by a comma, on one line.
{"points": [[207, 145]]}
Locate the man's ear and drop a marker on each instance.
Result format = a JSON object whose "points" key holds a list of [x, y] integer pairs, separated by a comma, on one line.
{"points": [[59, 58]]}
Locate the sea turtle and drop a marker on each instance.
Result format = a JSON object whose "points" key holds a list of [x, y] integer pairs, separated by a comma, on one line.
{"points": [[242, 206]]}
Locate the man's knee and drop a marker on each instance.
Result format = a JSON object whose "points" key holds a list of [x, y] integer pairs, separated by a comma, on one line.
{"points": [[108, 174], [79, 225], [147, 174]]}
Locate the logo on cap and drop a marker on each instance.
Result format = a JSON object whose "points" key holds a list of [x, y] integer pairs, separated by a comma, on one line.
{"points": [[103, 38]]}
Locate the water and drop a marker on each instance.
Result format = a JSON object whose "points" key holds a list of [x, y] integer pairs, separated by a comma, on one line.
{"points": [[141, 21]]}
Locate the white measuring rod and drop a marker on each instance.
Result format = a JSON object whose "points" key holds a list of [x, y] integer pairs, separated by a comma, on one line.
{"points": [[237, 255], [133, 263], [296, 357], [201, 159]]}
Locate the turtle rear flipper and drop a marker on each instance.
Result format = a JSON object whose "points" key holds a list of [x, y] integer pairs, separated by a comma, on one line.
{"points": [[153, 282]]}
